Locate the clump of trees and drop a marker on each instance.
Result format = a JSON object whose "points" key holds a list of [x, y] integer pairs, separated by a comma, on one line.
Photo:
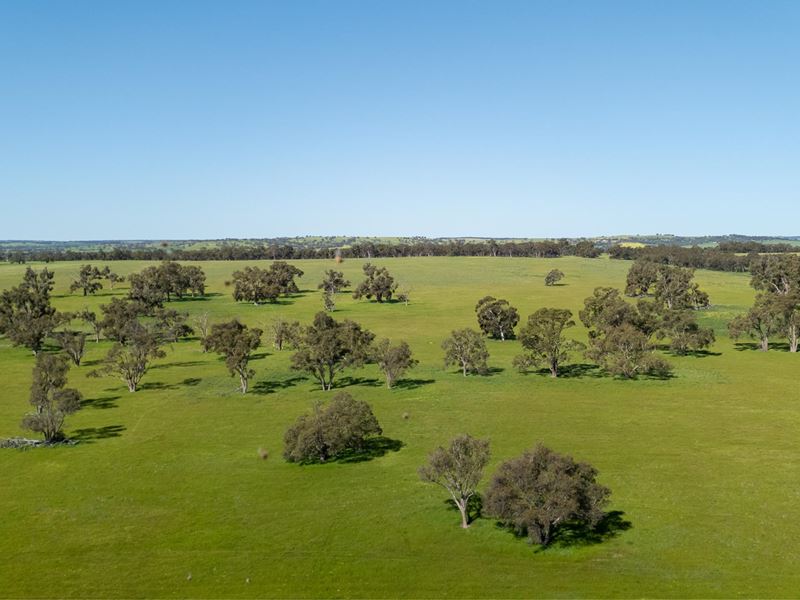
{"points": [[393, 361], [26, 316], [378, 284], [466, 349], [52, 401], [553, 277], [620, 335], [458, 469], [672, 287], [155, 285], [542, 490], [496, 318], [326, 347], [330, 431], [236, 342], [544, 339], [257, 285]]}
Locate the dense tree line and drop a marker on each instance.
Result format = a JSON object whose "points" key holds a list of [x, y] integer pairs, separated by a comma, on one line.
{"points": [[368, 250], [694, 257]]}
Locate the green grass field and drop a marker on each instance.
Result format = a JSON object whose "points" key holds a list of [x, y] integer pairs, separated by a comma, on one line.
{"points": [[166, 496]]}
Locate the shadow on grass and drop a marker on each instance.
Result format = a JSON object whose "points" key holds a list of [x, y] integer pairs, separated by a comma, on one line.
{"points": [[577, 534], [474, 507], [374, 447], [756, 347], [191, 381], [412, 384], [187, 363], [270, 387], [575, 371], [106, 402], [92, 434], [371, 382]]}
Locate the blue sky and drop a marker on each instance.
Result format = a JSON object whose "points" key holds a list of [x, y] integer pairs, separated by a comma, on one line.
{"points": [[166, 120]]}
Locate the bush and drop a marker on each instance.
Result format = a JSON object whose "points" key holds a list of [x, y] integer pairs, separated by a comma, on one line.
{"points": [[331, 431]]}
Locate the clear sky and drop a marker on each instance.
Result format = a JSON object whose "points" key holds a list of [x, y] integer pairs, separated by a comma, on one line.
{"points": [[166, 120]]}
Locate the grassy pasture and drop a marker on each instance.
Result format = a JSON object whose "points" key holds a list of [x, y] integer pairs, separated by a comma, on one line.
{"points": [[167, 497]]}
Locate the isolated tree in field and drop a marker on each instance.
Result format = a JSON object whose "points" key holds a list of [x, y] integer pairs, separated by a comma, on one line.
{"points": [[466, 349], [202, 324], [51, 400], [88, 280], [89, 318], [26, 316], [543, 338], [776, 274], [130, 361], [496, 318], [542, 490], [404, 296], [120, 319], [326, 347], [73, 343], [256, 285], [393, 361], [553, 277], [458, 469], [333, 282], [378, 284], [625, 351], [236, 342], [763, 321], [683, 331], [343, 426], [642, 277], [285, 334]]}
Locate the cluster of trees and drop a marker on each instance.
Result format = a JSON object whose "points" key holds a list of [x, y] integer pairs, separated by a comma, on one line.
{"points": [[368, 250], [776, 310], [534, 494], [694, 257], [257, 285], [155, 285], [622, 335], [90, 278]]}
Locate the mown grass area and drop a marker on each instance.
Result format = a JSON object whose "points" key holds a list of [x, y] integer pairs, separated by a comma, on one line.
{"points": [[166, 497]]}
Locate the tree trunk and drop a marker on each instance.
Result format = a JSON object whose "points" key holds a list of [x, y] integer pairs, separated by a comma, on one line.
{"points": [[243, 383], [131, 386], [764, 344], [462, 508], [553, 369], [464, 368]]}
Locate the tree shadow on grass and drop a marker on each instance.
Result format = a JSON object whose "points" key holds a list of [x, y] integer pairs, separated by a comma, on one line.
{"points": [[187, 363], [348, 381], [577, 534], [191, 381], [692, 353], [374, 447], [756, 346], [580, 534], [412, 384], [575, 371], [107, 402], [474, 507], [156, 385], [89, 435], [270, 387]]}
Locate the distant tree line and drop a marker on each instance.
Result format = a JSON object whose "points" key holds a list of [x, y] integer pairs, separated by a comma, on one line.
{"points": [[368, 250]]}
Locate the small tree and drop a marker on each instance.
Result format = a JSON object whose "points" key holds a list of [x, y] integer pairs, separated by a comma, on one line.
{"points": [[130, 361], [541, 490], [326, 347], [113, 278], [73, 343], [171, 325], [394, 361], [202, 324], [333, 282], [378, 284], [553, 277], [496, 318], [236, 343], [466, 348], [328, 301], [89, 318], [329, 431], [51, 400], [285, 334], [458, 469], [88, 280], [543, 337]]}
